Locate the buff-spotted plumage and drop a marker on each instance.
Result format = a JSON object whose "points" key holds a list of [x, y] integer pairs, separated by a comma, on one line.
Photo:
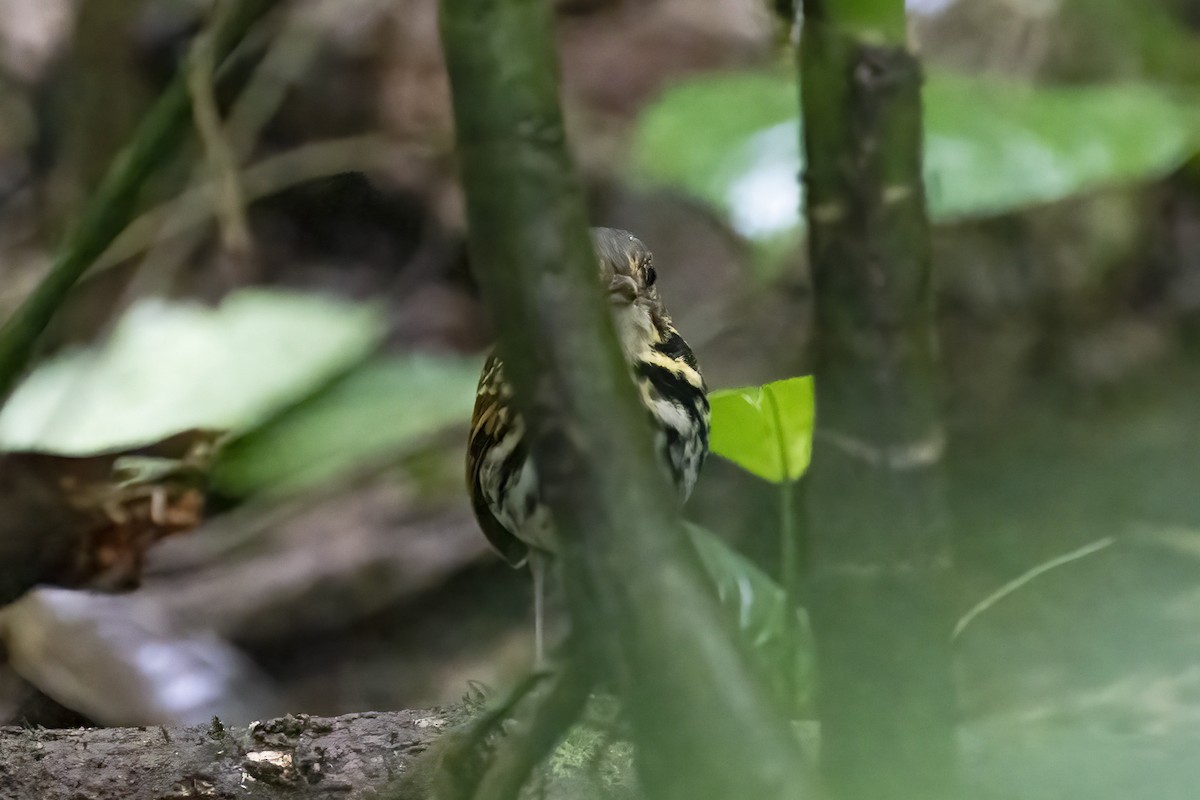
{"points": [[501, 477]]}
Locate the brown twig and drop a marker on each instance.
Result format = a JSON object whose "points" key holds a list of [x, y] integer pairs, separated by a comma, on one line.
{"points": [[273, 174]]}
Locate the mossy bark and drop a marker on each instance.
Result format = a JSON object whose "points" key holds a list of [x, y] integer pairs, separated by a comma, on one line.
{"points": [[702, 727], [878, 530]]}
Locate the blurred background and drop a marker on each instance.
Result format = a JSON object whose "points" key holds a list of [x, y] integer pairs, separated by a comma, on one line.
{"points": [[301, 288]]}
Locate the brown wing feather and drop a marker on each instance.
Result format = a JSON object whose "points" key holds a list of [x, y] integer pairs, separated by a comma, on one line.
{"points": [[490, 421]]}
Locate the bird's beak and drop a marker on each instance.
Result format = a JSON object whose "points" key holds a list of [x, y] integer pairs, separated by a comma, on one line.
{"points": [[622, 290]]}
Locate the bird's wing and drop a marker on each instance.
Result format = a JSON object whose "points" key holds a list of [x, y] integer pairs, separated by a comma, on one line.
{"points": [[491, 420]]}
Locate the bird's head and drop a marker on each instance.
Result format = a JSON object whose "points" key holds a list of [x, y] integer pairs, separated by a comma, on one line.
{"points": [[627, 272]]}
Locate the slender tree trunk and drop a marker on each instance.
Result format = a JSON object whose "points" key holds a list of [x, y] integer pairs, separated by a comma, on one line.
{"points": [[881, 565], [703, 729]]}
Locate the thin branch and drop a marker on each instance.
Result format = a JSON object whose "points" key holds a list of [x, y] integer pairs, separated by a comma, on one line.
{"points": [[289, 56], [1027, 576], [222, 160], [193, 209]]}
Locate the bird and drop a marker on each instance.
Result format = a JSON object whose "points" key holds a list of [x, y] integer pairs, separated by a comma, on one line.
{"points": [[501, 475]]}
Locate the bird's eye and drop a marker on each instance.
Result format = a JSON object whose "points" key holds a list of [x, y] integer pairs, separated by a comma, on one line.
{"points": [[651, 275]]}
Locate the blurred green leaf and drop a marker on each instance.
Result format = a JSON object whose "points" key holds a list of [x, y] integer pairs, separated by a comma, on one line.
{"points": [[767, 430], [172, 367], [381, 408], [779, 643], [991, 147], [729, 140]]}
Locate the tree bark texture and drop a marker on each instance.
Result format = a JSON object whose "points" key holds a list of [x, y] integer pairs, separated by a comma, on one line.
{"points": [[347, 757], [702, 727], [878, 529]]}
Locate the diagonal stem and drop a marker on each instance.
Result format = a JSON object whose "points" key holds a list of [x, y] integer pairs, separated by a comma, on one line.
{"points": [[157, 140]]}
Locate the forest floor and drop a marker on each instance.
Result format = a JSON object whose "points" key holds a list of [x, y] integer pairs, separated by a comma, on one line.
{"points": [[1082, 683], [1085, 682]]}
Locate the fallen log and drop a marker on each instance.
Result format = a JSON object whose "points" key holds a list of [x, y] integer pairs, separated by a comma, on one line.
{"points": [[347, 757]]}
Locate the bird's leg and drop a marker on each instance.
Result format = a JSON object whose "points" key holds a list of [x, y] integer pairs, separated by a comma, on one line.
{"points": [[538, 566]]}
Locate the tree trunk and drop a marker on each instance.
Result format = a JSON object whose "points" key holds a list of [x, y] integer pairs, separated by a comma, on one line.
{"points": [[878, 530], [703, 729]]}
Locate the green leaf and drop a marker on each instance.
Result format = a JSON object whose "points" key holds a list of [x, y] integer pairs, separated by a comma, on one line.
{"points": [[384, 407], [779, 643], [991, 147], [767, 430], [730, 140], [173, 367]]}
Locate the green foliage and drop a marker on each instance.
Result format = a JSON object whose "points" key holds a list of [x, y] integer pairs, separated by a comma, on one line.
{"points": [[174, 367], [780, 650], [767, 430], [775, 638], [991, 147], [731, 141], [384, 407], [701, 137], [594, 749]]}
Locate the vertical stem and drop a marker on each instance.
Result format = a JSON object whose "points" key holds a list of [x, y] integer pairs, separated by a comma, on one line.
{"points": [[787, 533], [787, 538], [222, 160], [538, 567], [877, 520], [105, 93], [790, 582], [789, 567]]}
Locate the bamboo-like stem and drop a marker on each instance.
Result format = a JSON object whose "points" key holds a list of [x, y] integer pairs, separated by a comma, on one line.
{"points": [[703, 729], [112, 205], [878, 529]]}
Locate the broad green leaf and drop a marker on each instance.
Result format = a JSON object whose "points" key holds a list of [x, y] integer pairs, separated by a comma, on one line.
{"points": [[777, 641], [766, 430], [173, 367], [994, 147], [991, 147], [381, 408]]}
